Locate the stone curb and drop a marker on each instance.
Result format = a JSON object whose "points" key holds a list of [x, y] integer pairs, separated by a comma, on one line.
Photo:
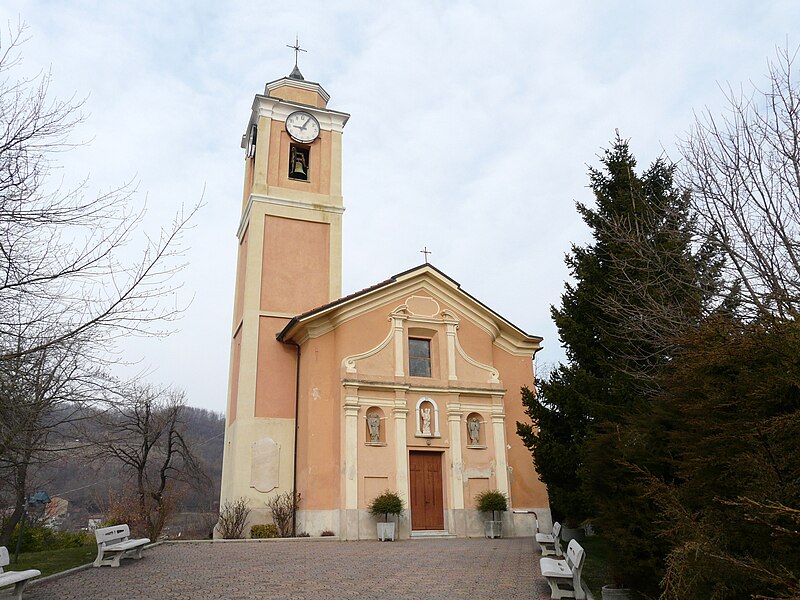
{"points": [[59, 575], [327, 538], [73, 570]]}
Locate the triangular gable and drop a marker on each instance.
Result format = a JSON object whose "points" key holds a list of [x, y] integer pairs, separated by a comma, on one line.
{"points": [[324, 318]]}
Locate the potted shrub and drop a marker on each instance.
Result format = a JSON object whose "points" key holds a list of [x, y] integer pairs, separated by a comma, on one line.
{"points": [[492, 501], [388, 503]]}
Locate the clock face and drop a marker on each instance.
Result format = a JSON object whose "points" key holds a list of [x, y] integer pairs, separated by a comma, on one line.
{"points": [[302, 126]]}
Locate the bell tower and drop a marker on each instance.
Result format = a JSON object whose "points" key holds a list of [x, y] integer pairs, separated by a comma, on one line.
{"points": [[289, 261]]}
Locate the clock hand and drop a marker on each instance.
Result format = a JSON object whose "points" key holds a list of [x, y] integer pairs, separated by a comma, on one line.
{"points": [[306, 123]]}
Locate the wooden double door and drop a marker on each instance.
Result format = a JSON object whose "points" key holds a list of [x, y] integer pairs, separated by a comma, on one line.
{"points": [[427, 505]]}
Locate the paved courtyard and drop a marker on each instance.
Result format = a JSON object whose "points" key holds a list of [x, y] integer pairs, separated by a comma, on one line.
{"points": [[451, 569]]}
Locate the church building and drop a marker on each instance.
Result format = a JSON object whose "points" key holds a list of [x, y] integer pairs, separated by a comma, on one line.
{"points": [[410, 385]]}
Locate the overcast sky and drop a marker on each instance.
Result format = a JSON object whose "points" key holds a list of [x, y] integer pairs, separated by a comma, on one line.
{"points": [[472, 127]]}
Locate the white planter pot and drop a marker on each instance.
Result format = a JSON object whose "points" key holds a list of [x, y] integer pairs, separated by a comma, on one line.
{"points": [[614, 593], [493, 529], [386, 532]]}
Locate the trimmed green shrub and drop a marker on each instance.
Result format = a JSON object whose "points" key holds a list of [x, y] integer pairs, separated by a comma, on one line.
{"points": [[264, 531], [492, 501], [388, 503]]}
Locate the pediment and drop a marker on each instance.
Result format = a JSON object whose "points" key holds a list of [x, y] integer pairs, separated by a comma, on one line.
{"points": [[425, 292]]}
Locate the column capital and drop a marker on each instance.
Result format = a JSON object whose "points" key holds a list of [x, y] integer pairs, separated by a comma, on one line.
{"points": [[351, 406]]}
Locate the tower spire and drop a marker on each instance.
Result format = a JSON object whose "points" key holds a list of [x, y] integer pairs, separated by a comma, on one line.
{"points": [[296, 74]]}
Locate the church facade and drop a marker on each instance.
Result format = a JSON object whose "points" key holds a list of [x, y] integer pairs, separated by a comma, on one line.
{"points": [[411, 385]]}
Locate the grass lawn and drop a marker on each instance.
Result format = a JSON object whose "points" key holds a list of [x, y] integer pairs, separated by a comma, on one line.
{"points": [[53, 561], [595, 572]]}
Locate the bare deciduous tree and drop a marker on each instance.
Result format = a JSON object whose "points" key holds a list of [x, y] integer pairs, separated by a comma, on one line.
{"points": [[143, 429], [62, 270], [743, 170], [67, 290], [40, 393]]}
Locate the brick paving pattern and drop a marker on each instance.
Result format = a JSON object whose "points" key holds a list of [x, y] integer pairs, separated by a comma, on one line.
{"points": [[452, 569]]}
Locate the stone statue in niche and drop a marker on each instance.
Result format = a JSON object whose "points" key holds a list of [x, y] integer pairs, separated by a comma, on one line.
{"points": [[474, 430], [425, 413], [374, 425]]}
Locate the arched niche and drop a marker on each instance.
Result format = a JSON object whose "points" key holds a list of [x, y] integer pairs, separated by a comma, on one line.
{"points": [[374, 421], [427, 417], [476, 430]]}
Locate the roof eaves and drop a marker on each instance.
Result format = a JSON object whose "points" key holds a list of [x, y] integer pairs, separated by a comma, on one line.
{"points": [[290, 325]]}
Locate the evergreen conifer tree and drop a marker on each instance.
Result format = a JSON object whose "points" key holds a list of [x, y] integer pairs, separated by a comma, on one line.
{"points": [[639, 283]]}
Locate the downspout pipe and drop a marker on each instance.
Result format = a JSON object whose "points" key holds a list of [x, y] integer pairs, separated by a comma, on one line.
{"points": [[296, 427]]}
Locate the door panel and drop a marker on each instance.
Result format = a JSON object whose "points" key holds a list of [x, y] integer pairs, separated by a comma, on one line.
{"points": [[427, 503]]}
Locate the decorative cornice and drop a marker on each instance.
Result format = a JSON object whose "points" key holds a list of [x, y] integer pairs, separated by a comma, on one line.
{"points": [[504, 334], [275, 201], [277, 315], [469, 407], [517, 347], [380, 402], [309, 86], [402, 288], [420, 389], [278, 110], [315, 206]]}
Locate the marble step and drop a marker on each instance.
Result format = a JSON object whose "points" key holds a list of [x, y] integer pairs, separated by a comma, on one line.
{"points": [[425, 534]]}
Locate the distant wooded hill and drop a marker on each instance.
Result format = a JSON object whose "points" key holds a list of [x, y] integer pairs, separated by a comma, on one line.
{"points": [[89, 484]]}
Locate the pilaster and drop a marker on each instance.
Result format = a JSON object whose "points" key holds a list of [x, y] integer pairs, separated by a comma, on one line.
{"points": [[400, 415], [451, 351], [500, 453], [454, 414], [350, 473], [399, 346]]}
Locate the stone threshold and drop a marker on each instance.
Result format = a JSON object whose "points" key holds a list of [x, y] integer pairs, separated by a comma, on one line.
{"points": [[425, 534]]}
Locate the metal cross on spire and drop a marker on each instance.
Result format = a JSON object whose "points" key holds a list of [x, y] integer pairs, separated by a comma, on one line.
{"points": [[297, 49], [425, 251]]}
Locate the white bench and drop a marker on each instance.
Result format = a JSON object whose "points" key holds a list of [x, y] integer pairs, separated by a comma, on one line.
{"points": [[564, 576], [18, 578], [114, 544], [550, 543]]}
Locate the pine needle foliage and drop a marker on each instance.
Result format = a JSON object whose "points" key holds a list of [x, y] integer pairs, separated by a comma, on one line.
{"points": [[642, 280]]}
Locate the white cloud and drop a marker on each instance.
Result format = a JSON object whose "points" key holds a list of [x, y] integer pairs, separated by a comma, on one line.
{"points": [[472, 125]]}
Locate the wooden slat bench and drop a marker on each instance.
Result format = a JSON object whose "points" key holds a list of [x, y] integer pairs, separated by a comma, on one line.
{"points": [[19, 578], [114, 544], [564, 576]]}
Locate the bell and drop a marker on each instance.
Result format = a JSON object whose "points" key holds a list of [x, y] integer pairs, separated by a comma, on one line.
{"points": [[299, 170]]}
